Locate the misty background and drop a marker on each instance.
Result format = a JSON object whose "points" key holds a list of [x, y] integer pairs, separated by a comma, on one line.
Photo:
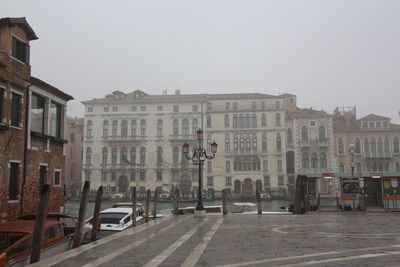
{"points": [[328, 53]]}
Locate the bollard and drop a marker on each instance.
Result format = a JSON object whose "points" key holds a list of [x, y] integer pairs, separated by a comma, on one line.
{"points": [[81, 216], [258, 199], [155, 204], [96, 214], [146, 218], [40, 223], [134, 210], [224, 210]]}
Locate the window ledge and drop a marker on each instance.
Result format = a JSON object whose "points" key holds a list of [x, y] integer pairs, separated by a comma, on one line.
{"points": [[48, 137], [14, 201]]}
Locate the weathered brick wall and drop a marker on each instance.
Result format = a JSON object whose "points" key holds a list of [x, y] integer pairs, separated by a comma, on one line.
{"points": [[54, 160]]}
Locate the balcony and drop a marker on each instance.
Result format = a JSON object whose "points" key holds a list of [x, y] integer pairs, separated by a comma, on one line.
{"points": [[377, 155], [323, 142], [128, 138], [183, 137], [236, 152]]}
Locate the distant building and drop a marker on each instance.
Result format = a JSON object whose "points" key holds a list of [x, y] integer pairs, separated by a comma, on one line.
{"points": [[376, 157], [31, 123], [73, 156]]}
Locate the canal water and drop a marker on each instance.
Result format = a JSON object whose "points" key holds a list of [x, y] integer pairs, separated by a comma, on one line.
{"points": [[72, 207]]}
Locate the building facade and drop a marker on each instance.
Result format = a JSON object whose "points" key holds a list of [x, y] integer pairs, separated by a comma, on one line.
{"points": [[136, 139], [375, 156], [24, 147]]}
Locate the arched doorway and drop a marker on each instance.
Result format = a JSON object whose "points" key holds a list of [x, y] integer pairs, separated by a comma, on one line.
{"points": [[248, 187], [185, 186], [236, 187], [123, 184]]}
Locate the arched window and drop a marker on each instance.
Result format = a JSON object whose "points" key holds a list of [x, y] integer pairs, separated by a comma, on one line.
{"points": [[124, 128], [321, 133], [264, 143], [235, 143], [185, 127], [235, 121], [322, 160], [114, 153], [265, 165], [227, 166], [88, 156], [105, 128], [89, 128], [396, 145], [340, 146], [358, 167], [226, 120], [133, 156], [341, 167], [159, 155], [314, 161], [366, 145], [104, 155], [248, 143], [227, 143], [241, 121], [142, 156], [241, 143], [289, 136], [380, 145], [263, 120], [253, 120], [175, 127], [397, 167], [277, 119], [254, 142], [143, 128], [159, 127], [248, 121], [175, 155], [133, 128], [304, 133], [373, 145], [278, 142], [123, 156], [114, 128], [386, 145], [279, 165], [195, 126], [305, 161], [357, 146]]}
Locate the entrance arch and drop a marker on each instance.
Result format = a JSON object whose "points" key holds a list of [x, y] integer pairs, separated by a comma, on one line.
{"points": [[248, 187], [236, 187], [123, 184]]}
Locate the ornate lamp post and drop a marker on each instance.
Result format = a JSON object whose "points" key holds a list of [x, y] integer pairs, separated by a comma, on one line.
{"points": [[199, 155]]}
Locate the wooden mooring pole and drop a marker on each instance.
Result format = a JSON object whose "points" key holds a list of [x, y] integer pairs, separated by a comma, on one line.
{"points": [[258, 199], [146, 218], [40, 223], [81, 216], [155, 204], [134, 209], [224, 210], [96, 214]]}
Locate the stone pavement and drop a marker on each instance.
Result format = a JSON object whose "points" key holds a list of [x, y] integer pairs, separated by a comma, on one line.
{"points": [[317, 239]]}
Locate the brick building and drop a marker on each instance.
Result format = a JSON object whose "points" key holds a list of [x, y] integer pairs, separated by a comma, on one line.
{"points": [[19, 183]]}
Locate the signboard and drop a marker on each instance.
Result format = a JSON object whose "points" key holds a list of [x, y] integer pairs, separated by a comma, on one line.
{"points": [[350, 186], [394, 183]]}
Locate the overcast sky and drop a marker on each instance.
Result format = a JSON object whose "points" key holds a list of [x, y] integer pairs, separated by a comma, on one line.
{"points": [[328, 53]]}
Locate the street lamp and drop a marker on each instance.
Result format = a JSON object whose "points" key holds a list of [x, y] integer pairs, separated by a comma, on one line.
{"points": [[352, 149], [199, 155]]}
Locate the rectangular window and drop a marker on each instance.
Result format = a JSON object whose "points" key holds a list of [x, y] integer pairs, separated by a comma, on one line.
{"points": [[105, 109], [13, 182], [133, 108], [267, 180], [133, 176], [103, 176], [195, 108], [89, 109], [227, 105], [365, 124], [175, 108], [210, 180], [20, 50], [312, 123], [281, 180], [228, 180], [159, 175], [37, 114], [263, 105], [57, 177], [142, 175], [371, 124], [55, 119], [143, 108], [235, 106], [159, 108], [378, 124], [15, 109]]}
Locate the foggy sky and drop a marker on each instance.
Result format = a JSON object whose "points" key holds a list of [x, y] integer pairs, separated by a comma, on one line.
{"points": [[328, 53]]}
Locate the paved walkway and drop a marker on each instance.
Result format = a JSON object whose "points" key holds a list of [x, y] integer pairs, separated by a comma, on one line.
{"points": [[318, 239]]}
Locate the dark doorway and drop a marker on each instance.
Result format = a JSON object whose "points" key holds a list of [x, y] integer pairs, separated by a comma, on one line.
{"points": [[123, 184], [185, 187], [236, 187], [373, 189], [248, 187]]}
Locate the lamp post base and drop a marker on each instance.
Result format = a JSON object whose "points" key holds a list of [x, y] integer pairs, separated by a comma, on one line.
{"points": [[199, 213]]}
